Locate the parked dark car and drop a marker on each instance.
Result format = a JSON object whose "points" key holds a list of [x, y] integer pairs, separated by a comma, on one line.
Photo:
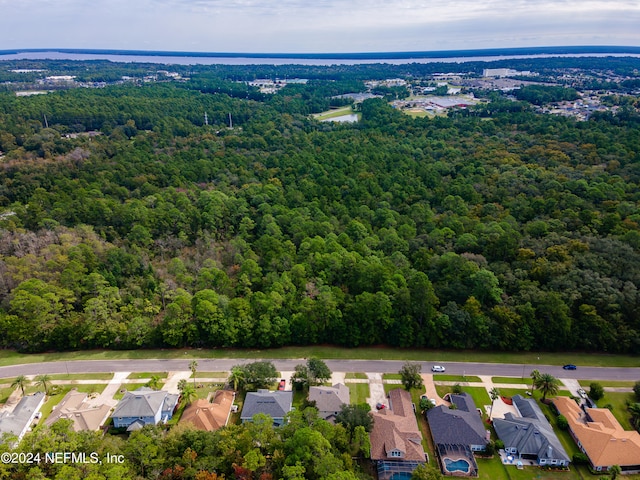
{"points": [[569, 367]]}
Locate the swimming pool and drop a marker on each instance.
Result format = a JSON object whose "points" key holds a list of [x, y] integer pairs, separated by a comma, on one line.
{"points": [[460, 465]]}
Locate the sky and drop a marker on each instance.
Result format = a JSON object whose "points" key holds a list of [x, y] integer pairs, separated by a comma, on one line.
{"points": [[315, 26]]}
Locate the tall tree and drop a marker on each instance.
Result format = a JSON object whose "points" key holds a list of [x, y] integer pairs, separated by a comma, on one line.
{"points": [[547, 384], [21, 382], [193, 366], [410, 375], [44, 381], [237, 377], [535, 374], [494, 394], [319, 373]]}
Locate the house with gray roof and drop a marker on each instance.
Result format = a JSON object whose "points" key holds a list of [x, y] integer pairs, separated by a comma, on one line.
{"points": [[144, 406], [460, 425], [15, 424], [456, 433], [275, 404], [329, 400], [530, 436]]}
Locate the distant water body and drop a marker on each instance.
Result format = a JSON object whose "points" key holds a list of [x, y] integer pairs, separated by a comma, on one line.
{"points": [[399, 58]]}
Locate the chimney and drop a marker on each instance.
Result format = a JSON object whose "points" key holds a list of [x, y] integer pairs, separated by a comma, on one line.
{"points": [[550, 451]]}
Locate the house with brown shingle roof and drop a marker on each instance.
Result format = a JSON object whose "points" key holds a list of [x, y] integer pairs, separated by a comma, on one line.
{"points": [[396, 441], [600, 436], [210, 416], [75, 407]]}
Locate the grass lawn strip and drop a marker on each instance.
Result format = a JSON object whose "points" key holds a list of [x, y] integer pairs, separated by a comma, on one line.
{"points": [[607, 383], [355, 376], [511, 380], [457, 378], [359, 392], [215, 375], [147, 375], [531, 359]]}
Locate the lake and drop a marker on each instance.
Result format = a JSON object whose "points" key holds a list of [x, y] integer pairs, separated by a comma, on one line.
{"points": [[239, 60]]}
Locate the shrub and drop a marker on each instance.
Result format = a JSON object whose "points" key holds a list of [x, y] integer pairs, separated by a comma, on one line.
{"points": [[457, 388], [562, 422], [580, 458], [636, 390], [596, 391]]}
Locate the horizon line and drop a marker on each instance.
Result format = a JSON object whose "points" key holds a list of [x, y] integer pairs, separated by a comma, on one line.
{"points": [[559, 50]]}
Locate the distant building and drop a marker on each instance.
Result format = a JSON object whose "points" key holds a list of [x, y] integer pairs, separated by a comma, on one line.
{"points": [[530, 436], [396, 441], [17, 422], [329, 400], [75, 407], [210, 416], [275, 404], [144, 406], [504, 72]]}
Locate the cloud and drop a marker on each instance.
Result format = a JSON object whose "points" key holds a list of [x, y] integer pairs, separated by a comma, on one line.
{"points": [[317, 26]]}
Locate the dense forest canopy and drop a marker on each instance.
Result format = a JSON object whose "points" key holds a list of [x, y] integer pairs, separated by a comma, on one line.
{"points": [[129, 221]]}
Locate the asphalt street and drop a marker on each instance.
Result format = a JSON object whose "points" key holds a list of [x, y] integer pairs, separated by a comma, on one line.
{"points": [[381, 366]]}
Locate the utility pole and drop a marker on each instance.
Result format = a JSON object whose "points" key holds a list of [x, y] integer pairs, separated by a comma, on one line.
{"points": [[206, 119], [46, 124], [230, 121]]}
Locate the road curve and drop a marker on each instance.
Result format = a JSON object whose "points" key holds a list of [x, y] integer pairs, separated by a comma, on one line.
{"points": [[382, 366]]}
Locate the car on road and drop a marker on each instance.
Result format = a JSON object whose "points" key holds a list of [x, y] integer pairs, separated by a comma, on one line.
{"points": [[569, 366], [437, 368], [282, 384]]}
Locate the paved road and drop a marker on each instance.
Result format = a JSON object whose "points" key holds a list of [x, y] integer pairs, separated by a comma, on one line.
{"points": [[382, 366]]}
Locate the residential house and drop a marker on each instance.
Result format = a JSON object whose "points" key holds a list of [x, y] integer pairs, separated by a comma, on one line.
{"points": [[458, 432], [529, 436], [144, 406], [396, 441], [275, 404], [329, 400], [600, 436], [76, 407], [15, 424], [210, 416]]}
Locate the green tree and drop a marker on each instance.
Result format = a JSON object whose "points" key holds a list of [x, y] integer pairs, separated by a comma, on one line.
{"points": [[426, 472], [20, 382], [494, 394], [188, 393], [596, 391], [634, 410], [410, 375], [154, 382], [352, 416], [535, 375], [237, 377], [319, 373], [615, 470], [300, 377], [44, 381], [547, 384], [193, 366]]}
